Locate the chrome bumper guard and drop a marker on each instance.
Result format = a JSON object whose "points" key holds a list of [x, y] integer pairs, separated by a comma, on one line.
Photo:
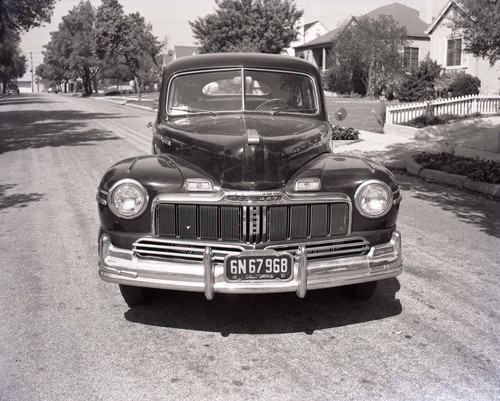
{"points": [[122, 266]]}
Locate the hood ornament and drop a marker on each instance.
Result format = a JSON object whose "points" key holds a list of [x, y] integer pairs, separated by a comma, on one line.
{"points": [[253, 137]]}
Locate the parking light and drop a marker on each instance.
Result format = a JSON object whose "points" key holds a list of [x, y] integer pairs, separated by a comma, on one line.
{"points": [[199, 185], [308, 184]]}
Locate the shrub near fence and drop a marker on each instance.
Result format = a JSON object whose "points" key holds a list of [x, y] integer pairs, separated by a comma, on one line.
{"points": [[460, 106]]}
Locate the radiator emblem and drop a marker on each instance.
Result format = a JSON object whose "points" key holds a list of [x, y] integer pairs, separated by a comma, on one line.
{"points": [[254, 198]]}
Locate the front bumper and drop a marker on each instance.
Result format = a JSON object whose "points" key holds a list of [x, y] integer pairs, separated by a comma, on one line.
{"points": [[122, 266]]}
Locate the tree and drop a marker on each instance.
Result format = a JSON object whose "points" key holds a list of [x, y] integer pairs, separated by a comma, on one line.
{"points": [[19, 15], [265, 26], [141, 50], [128, 40], [478, 24], [110, 29], [368, 50], [12, 61], [51, 75], [72, 49]]}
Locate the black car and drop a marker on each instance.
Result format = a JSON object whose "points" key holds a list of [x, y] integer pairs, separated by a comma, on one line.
{"points": [[243, 193], [13, 89]]}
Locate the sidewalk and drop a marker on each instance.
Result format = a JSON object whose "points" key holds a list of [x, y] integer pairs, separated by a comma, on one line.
{"points": [[474, 138]]}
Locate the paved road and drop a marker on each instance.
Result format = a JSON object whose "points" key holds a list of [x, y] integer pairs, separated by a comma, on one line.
{"points": [[66, 335]]}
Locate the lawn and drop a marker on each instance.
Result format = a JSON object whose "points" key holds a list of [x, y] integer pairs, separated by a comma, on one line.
{"points": [[359, 112]]}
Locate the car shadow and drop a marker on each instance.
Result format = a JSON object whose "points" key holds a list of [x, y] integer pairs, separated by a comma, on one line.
{"points": [[44, 128], [16, 200], [468, 207], [265, 313]]}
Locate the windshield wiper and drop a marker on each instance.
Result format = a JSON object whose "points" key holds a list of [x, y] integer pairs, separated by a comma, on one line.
{"points": [[190, 110], [284, 111]]}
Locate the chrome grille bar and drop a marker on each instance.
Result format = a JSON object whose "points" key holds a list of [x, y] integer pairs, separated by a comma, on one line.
{"points": [[159, 248], [251, 224]]}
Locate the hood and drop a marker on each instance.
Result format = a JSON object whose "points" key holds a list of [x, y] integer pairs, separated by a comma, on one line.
{"points": [[252, 152]]}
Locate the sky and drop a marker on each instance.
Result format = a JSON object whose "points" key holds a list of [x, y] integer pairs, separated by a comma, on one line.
{"points": [[170, 18]]}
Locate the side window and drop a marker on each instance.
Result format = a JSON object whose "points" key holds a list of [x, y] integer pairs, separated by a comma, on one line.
{"points": [[454, 52], [410, 57]]}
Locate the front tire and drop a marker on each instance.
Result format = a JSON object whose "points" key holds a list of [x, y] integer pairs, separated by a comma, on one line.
{"points": [[361, 290], [133, 295]]}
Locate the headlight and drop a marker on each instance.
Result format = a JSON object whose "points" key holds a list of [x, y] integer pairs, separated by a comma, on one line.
{"points": [[308, 184], [373, 199], [127, 199]]}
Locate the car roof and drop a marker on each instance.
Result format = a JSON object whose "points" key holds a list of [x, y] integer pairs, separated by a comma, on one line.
{"points": [[239, 60]]}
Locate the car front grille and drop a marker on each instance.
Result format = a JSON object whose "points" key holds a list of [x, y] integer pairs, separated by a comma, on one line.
{"points": [[165, 249], [251, 224]]}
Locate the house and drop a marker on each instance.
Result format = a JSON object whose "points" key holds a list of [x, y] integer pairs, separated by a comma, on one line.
{"points": [[447, 49], [317, 50], [308, 32]]}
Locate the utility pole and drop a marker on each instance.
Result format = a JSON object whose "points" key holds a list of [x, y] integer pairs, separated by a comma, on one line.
{"points": [[32, 74]]}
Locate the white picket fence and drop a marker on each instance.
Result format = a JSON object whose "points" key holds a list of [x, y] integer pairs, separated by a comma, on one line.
{"points": [[460, 106]]}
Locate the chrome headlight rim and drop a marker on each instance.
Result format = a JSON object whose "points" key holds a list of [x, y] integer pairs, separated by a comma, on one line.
{"points": [[142, 190], [361, 188]]}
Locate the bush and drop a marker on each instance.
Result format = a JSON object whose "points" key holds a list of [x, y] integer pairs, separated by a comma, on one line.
{"points": [[474, 169], [344, 134], [426, 120], [112, 93], [463, 85], [419, 84], [338, 79], [460, 84]]}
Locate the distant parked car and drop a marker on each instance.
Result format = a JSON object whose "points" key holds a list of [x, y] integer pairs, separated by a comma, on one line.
{"points": [[13, 89], [243, 193]]}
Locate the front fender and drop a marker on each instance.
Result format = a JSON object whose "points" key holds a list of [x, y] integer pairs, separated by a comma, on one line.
{"points": [[344, 174], [157, 174]]}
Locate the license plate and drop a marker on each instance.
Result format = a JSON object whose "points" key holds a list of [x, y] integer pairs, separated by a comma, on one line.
{"points": [[266, 265]]}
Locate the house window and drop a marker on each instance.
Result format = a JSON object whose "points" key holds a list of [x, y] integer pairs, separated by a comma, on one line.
{"points": [[410, 57], [454, 53], [318, 33], [320, 60]]}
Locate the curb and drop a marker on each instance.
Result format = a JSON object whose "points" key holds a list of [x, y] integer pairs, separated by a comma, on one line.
{"points": [[123, 102], [454, 180], [138, 106]]}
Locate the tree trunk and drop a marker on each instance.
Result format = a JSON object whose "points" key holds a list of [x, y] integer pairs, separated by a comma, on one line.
{"points": [[87, 82]]}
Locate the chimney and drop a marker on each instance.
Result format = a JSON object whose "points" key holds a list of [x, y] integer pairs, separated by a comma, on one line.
{"points": [[426, 14]]}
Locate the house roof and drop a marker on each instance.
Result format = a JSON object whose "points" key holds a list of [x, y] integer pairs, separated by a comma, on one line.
{"points": [[325, 39], [403, 15]]}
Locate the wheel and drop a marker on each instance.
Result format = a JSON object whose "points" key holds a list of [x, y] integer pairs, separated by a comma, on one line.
{"points": [[276, 100], [360, 290], [133, 295]]}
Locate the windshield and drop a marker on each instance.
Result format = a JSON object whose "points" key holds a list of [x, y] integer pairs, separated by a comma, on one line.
{"points": [[221, 91]]}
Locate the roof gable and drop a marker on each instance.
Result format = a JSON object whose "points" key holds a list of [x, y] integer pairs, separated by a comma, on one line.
{"points": [[444, 12]]}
